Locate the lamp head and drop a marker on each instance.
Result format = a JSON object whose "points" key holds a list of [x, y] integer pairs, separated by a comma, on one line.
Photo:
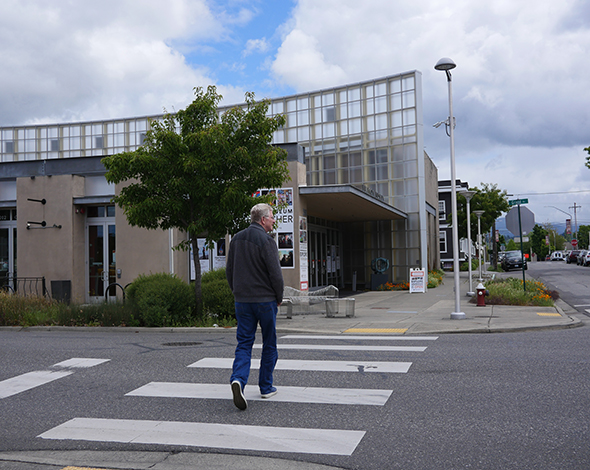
{"points": [[445, 64]]}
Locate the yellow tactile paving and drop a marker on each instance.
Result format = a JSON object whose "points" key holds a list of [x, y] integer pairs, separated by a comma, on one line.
{"points": [[548, 314], [376, 330]]}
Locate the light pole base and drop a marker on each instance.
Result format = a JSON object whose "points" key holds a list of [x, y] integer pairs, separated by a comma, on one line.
{"points": [[457, 316]]}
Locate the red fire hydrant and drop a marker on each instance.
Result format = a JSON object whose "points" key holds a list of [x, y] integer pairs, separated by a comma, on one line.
{"points": [[481, 295]]}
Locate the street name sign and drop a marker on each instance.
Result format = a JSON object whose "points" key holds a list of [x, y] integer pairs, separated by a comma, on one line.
{"points": [[516, 202]]}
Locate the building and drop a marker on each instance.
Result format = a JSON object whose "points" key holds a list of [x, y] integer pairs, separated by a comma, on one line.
{"points": [[444, 220], [362, 188]]}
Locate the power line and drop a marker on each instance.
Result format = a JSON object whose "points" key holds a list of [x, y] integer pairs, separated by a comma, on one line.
{"points": [[556, 192]]}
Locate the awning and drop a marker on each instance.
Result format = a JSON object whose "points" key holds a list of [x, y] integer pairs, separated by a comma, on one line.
{"points": [[346, 203]]}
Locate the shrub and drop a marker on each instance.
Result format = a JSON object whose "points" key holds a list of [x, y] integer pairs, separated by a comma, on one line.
{"points": [[465, 265], [510, 291], [162, 300], [218, 300], [435, 278]]}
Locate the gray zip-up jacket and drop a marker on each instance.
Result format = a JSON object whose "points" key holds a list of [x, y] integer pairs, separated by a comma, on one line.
{"points": [[252, 268]]}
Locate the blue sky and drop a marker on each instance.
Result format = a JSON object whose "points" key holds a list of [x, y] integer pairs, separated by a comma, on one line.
{"points": [[520, 88]]}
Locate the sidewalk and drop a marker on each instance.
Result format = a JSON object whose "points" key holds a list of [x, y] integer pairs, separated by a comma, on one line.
{"points": [[399, 312]]}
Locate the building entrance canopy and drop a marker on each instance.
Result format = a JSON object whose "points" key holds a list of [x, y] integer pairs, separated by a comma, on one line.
{"points": [[346, 203]]}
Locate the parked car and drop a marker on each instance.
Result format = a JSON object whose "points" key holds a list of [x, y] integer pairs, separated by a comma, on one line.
{"points": [[513, 260], [557, 256], [586, 259], [573, 256], [580, 259]]}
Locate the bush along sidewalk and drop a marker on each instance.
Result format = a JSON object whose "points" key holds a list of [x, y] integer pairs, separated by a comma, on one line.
{"points": [[155, 300], [510, 291], [435, 278]]}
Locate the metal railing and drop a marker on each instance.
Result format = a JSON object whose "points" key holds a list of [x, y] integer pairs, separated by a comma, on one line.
{"points": [[25, 286]]}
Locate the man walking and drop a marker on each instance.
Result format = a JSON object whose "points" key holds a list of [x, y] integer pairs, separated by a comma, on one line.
{"points": [[255, 278]]}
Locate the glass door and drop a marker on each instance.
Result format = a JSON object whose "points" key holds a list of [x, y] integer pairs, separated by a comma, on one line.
{"points": [[7, 247], [101, 258]]}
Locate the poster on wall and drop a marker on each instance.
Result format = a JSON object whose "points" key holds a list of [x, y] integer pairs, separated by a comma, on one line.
{"points": [[203, 257], [219, 251], [285, 232], [303, 263]]}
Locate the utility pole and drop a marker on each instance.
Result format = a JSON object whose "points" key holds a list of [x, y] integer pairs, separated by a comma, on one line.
{"points": [[575, 207]]}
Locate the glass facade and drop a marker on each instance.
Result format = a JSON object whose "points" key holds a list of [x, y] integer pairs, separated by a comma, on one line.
{"points": [[367, 134]]}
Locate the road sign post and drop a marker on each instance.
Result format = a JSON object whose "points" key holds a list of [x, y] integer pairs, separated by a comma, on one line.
{"points": [[518, 202]]}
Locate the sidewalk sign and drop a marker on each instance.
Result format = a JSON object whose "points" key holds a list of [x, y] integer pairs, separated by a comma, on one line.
{"points": [[418, 280]]}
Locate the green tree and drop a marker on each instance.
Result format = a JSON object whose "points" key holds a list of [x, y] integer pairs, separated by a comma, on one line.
{"points": [[492, 201], [197, 172], [538, 241], [583, 234]]}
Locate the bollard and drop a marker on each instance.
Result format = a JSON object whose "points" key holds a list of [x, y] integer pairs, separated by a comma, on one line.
{"points": [[481, 295]]}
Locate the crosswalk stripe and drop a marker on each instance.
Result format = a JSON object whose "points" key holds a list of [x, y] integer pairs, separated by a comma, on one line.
{"points": [[28, 381], [360, 337], [80, 363], [336, 396], [347, 347], [220, 436], [36, 378], [325, 366]]}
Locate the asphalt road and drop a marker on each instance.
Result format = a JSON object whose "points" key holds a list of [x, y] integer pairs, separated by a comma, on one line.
{"points": [[572, 281], [489, 401]]}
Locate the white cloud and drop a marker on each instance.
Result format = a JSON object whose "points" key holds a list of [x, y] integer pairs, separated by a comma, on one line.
{"points": [[520, 86], [109, 59], [256, 46]]}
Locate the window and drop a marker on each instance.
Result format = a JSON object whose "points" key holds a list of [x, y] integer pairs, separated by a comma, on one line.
{"points": [[442, 238], [9, 147], [99, 142], [442, 213], [55, 145]]}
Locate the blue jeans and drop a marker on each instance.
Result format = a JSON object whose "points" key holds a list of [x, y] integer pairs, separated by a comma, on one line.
{"points": [[249, 315]]}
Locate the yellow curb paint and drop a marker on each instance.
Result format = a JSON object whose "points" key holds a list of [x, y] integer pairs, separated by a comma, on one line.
{"points": [[548, 314], [82, 468], [376, 330]]}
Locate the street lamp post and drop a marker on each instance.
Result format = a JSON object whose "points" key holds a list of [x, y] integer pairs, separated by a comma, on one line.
{"points": [[479, 214], [468, 195], [447, 65]]}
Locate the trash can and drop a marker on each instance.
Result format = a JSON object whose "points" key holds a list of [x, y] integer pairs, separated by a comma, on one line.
{"points": [[62, 291]]}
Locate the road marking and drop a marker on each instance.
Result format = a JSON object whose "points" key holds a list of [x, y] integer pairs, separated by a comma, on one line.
{"points": [[28, 381], [80, 362], [362, 337], [219, 436], [346, 347], [376, 330], [548, 314], [324, 366], [334, 396], [37, 378]]}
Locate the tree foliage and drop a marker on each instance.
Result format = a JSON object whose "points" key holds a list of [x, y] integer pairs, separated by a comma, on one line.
{"points": [[583, 236], [538, 241], [197, 172], [490, 199]]}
